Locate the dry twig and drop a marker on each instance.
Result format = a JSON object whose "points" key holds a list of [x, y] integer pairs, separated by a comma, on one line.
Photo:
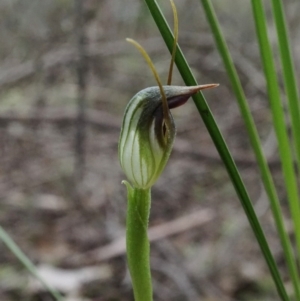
{"points": [[117, 247]]}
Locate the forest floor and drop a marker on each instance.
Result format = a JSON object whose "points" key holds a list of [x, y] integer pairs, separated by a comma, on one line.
{"points": [[62, 200]]}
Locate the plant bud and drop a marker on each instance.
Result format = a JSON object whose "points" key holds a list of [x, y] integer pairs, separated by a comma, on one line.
{"points": [[147, 135]]}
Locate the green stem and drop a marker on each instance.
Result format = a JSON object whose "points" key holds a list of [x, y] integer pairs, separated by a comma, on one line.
{"points": [[137, 243]]}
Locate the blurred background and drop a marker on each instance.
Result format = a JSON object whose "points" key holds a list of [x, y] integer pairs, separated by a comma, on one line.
{"points": [[66, 75]]}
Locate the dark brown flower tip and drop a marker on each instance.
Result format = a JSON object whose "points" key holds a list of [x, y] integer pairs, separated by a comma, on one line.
{"points": [[186, 92]]}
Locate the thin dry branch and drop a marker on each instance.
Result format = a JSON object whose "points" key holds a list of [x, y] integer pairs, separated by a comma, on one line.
{"points": [[64, 56], [60, 117], [117, 247], [107, 122], [67, 54]]}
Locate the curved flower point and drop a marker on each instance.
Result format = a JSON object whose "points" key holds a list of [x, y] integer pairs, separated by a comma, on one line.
{"points": [[146, 138]]}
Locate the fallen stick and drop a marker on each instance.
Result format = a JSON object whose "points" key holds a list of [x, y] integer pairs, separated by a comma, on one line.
{"points": [[107, 122], [118, 246]]}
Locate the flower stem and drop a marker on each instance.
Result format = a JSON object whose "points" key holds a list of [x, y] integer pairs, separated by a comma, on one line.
{"points": [[137, 243]]}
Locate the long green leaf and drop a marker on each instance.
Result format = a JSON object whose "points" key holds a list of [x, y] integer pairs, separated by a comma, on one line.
{"points": [[289, 76], [255, 142], [4, 236], [220, 144], [278, 117]]}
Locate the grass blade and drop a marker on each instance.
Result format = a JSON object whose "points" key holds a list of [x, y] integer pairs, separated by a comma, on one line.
{"points": [[255, 142], [289, 76], [278, 117], [4, 236], [220, 144]]}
